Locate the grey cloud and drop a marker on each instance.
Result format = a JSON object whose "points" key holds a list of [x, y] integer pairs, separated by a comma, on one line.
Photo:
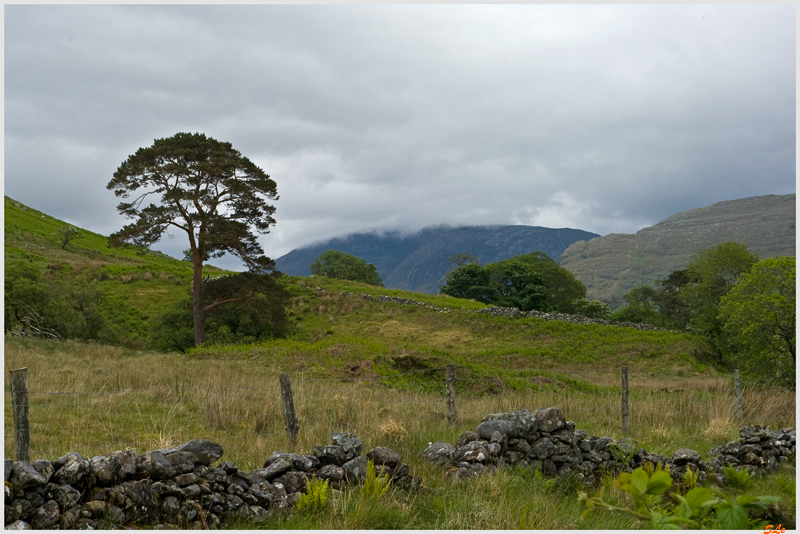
{"points": [[606, 118]]}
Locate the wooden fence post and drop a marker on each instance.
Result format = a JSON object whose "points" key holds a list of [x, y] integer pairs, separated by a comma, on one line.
{"points": [[738, 397], [626, 417], [450, 389], [290, 420], [19, 401]]}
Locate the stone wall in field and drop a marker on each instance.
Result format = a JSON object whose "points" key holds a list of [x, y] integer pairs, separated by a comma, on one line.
{"points": [[178, 487], [544, 440]]}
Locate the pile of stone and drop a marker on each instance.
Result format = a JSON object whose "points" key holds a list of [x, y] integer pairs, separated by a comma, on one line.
{"points": [[395, 300], [545, 441], [497, 311], [178, 487], [759, 449]]}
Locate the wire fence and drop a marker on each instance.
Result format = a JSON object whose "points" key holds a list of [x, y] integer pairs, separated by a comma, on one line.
{"points": [[146, 418]]}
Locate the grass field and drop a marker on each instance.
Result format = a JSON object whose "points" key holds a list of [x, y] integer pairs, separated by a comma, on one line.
{"points": [[123, 398]]}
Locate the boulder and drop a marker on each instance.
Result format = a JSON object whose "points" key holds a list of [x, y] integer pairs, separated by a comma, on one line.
{"points": [[439, 453], [549, 419], [384, 456]]}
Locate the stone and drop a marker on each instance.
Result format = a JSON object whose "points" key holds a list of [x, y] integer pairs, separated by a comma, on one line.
{"points": [[355, 471], [181, 461], [349, 442], [331, 472], [186, 479], [155, 465], [384, 456], [294, 481], [329, 454], [275, 469], [66, 496], [549, 419], [513, 424], [24, 475], [684, 456], [466, 437], [108, 470], [439, 453], [18, 525], [45, 468], [203, 452], [299, 462], [542, 449], [170, 508], [475, 451]]}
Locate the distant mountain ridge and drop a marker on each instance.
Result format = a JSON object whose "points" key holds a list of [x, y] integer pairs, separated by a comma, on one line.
{"points": [[418, 262], [611, 265]]}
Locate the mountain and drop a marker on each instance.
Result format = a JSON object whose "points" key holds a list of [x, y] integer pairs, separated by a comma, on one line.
{"points": [[611, 265], [418, 262]]}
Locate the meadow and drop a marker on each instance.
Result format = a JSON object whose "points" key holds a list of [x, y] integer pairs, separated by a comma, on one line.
{"points": [[375, 369]]}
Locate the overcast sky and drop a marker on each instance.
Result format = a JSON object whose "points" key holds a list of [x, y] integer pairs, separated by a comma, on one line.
{"points": [[597, 117]]}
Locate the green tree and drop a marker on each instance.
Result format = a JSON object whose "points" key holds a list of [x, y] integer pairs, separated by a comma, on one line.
{"points": [[344, 266], [517, 285], [562, 289], [66, 234], [454, 261], [712, 273], [641, 307], [594, 309], [209, 191], [759, 318], [470, 281], [258, 312]]}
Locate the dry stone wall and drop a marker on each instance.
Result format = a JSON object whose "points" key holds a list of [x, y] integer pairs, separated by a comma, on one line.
{"points": [[545, 441], [179, 487]]}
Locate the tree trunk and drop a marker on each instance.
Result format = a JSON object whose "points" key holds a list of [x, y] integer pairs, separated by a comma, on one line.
{"points": [[197, 306]]}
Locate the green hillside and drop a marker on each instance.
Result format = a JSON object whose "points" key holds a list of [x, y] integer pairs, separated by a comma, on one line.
{"points": [[330, 331], [136, 284]]}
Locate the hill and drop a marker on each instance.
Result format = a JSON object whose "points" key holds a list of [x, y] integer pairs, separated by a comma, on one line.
{"points": [[137, 283], [418, 262], [611, 265]]}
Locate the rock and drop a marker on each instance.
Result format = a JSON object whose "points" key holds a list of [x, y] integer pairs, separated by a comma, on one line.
{"points": [[355, 471], [170, 508], [513, 424], [45, 468], [181, 461], [108, 470], [18, 525], [466, 437], [384, 456], [275, 469], [542, 449], [294, 481], [66, 496], [46, 516], [549, 419], [349, 442], [475, 451], [329, 454], [684, 456], [203, 452], [439, 453], [299, 462], [331, 472], [155, 465], [24, 475]]}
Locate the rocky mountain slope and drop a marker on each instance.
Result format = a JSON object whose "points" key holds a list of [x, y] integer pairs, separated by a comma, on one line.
{"points": [[611, 265], [418, 262]]}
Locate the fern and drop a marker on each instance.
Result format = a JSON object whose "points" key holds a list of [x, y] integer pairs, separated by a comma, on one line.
{"points": [[375, 486], [738, 478], [316, 496]]}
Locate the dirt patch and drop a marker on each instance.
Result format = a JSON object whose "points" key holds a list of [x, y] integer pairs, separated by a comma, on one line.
{"points": [[408, 363], [362, 369], [541, 380]]}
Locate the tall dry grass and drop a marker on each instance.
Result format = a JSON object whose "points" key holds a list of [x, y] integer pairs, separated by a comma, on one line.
{"points": [[95, 399]]}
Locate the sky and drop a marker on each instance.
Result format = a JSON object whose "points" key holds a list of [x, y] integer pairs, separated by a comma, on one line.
{"points": [[605, 118]]}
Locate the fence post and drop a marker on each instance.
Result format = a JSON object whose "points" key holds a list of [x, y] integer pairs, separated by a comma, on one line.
{"points": [[738, 396], [19, 401], [290, 420], [625, 406], [450, 389]]}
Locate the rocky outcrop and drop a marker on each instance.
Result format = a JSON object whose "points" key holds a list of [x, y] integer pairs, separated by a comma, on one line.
{"points": [[179, 487], [545, 441]]}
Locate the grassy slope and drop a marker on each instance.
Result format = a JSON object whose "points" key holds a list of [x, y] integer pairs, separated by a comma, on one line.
{"points": [[229, 393]]}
